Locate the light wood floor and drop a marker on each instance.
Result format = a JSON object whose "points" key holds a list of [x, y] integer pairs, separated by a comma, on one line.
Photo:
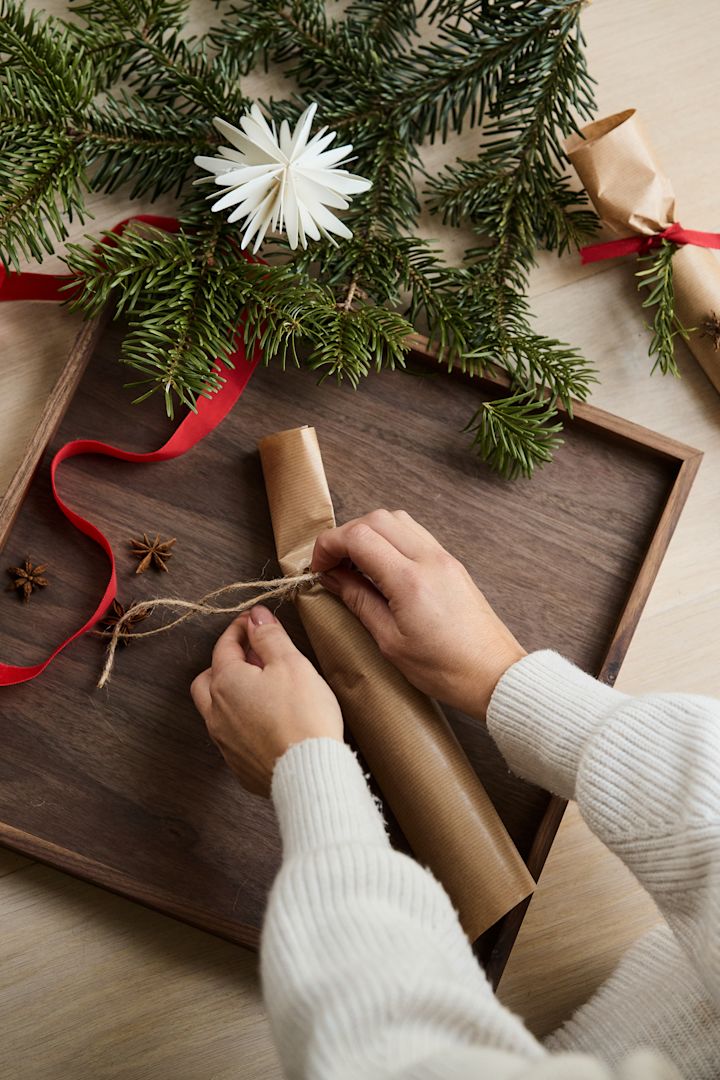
{"points": [[92, 986]]}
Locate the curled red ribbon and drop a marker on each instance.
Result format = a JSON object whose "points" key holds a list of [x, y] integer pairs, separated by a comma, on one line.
{"points": [[640, 244], [196, 425]]}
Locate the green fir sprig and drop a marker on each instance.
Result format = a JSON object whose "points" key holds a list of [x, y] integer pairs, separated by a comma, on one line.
{"points": [[657, 278], [123, 96], [516, 433]]}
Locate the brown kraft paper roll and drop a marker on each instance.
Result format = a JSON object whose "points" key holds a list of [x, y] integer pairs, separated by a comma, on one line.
{"points": [[421, 769], [631, 194]]}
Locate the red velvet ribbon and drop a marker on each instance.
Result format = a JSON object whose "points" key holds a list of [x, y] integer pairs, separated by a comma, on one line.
{"points": [[640, 245], [196, 425]]}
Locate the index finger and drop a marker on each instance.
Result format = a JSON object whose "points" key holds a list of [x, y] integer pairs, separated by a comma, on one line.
{"points": [[372, 553]]}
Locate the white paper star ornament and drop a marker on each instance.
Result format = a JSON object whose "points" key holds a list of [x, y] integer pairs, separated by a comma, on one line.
{"points": [[282, 184]]}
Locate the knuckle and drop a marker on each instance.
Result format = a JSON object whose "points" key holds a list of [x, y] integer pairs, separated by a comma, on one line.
{"points": [[359, 531], [377, 517]]}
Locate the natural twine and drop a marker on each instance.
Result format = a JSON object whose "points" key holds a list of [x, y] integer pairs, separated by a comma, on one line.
{"points": [[275, 589]]}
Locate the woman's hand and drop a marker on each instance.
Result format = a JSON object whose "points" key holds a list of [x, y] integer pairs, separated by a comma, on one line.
{"points": [[421, 606], [260, 696]]}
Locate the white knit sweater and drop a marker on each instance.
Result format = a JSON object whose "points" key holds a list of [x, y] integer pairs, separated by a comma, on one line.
{"points": [[366, 972]]}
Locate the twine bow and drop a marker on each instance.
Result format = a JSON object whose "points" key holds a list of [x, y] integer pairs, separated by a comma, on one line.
{"points": [[641, 244]]}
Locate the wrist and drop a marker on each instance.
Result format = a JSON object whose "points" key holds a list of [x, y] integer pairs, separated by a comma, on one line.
{"points": [[308, 736], [493, 666], [543, 715]]}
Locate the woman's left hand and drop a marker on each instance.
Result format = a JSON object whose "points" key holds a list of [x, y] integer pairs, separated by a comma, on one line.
{"points": [[260, 696]]}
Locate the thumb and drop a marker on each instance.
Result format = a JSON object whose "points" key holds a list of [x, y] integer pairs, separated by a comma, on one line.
{"points": [[362, 598], [268, 638]]}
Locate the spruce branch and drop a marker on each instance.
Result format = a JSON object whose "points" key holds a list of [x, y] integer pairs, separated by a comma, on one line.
{"points": [[110, 30], [44, 87], [295, 319], [518, 174], [348, 342], [43, 183], [119, 16], [127, 267], [184, 294], [467, 70], [657, 277], [436, 297], [515, 434], [391, 204], [40, 57], [504, 338], [127, 97], [182, 307], [144, 142], [515, 196], [190, 80], [476, 191], [389, 23], [289, 31]]}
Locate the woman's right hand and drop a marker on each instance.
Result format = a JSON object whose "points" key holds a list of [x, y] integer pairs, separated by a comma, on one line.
{"points": [[420, 604]]}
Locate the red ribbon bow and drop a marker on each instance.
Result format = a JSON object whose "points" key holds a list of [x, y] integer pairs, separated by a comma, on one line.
{"points": [[196, 425], [640, 244]]}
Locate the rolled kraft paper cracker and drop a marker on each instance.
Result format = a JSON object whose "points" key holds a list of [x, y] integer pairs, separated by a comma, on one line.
{"points": [[421, 769], [631, 194]]}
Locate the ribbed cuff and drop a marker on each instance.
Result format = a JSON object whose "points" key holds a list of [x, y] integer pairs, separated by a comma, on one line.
{"points": [[541, 715], [321, 798]]}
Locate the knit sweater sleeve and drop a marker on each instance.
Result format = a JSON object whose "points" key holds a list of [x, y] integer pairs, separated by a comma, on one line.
{"points": [[646, 775], [366, 971]]}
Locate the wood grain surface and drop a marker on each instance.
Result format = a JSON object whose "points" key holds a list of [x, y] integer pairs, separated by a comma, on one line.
{"points": [[94, 987], [123, 787]]}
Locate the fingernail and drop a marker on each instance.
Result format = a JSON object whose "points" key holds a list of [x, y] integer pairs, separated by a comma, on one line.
{"points": [[261, 615]]}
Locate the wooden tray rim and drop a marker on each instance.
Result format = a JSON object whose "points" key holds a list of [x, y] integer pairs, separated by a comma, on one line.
{"points": [[688, 460]]}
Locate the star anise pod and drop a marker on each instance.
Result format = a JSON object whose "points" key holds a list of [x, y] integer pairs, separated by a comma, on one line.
{"points": [[711, 329], [116, 613], [151, 553], [27, 578]]}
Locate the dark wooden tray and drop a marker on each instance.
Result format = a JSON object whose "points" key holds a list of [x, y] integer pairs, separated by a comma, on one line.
{"points": [[123, 787]]}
